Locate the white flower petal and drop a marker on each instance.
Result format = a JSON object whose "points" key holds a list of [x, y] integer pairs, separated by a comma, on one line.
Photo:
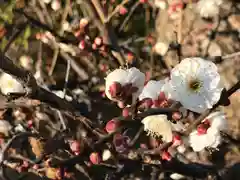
{"points": [[206, 74], [10, 85], [152, 89], [209, 8], [218, 120], [158, 125]]}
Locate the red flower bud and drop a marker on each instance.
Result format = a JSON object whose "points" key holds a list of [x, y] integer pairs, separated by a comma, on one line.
{"points": [[98, 41], [126, 112], [176, 140], [95, 158], [176, 116], [30, 124], [123, 10], [75, 146], [112, 126], [115, 89], [166, 156], [202, 129], [82, 45], [143, 1]]}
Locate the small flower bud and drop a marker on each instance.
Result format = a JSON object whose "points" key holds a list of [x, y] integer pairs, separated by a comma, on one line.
{"points": [[202, 129], [176, 140], [75, 146], [114, 89], [176, 116], [126, 112], [166, 156], [123, 10], [121, 104], [143, 1], [30, 124], [82, 45], [112, 126], [98, 41], [95, 158], [83, 22]]}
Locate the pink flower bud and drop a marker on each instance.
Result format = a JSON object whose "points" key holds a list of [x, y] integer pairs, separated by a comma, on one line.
{"points": [[82, 45], [162, 96], [30, 124], [176, 140], [75, 146], [94, 46], [143, 1], [121, 104], [114, 89], [98, 41], [166, 156], [95, 158], [112, 126], [25, 164], [103, 67], [126, 112], [123, 10], [130, 57], [202, 129], [176, 116], [35, 166]]}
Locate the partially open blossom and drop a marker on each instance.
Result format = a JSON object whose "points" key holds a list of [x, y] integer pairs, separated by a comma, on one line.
{"points": [[156, 91], [209, 8], [8, 84], [159, 126], [112, 125], [95, 158], [124, 84], [195, 83], [208, 132]]}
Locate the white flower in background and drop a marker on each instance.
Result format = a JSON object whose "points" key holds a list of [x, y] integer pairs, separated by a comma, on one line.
{"points": [[106, 155], [8, 84], [195, 83], [160, 4], [56, 5], [158, 125], [47, 1], [26, 62], [123, 83], [61, 95], [177, 176], [5, 127], [208, 133], [66, 26], [161, 48], [209, 8]]}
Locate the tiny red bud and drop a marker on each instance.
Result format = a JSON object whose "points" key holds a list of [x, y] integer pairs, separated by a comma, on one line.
{"points": [[202, 129], [166, 156], [35, 166], [177, 140], [176, 116], [103, 67], [94, 46], [112, 125], [143, 1], [126, 112], [130, 58], [30, 124], [95, 158], [25, 164], [123, 10], [98, 41], [115, 88], [121, 104], [82, 45], [75, 146]]}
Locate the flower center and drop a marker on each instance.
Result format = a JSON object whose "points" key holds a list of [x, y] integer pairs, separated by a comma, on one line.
{"points": [[195, 85]]}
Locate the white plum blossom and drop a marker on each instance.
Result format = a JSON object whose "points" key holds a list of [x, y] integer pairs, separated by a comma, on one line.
{"points": [[122, 84], [8, 84], [208, 133], [209, 8], [196, 84], [158, 125]]}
